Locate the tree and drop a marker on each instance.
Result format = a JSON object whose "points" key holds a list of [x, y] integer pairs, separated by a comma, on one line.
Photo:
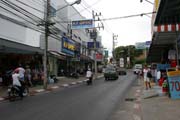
{"points": [[127, 51]]}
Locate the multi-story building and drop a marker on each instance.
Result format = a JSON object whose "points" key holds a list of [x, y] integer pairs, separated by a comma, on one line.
{"points": [[22, 37]]}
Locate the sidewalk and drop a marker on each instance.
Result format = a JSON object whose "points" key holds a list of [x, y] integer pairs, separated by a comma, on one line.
{"points": [[62, 82], [156, 105]]}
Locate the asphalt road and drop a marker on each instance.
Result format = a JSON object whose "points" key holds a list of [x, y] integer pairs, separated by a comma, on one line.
{"points": [[80, 102]]}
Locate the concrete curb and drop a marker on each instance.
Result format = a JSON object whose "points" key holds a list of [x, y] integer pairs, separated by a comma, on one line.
{"points": [[52, 88]]}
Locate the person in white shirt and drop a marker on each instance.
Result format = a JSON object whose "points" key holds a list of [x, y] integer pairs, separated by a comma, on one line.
{"points": [[16, 82], [21, 73], [89, 75]]}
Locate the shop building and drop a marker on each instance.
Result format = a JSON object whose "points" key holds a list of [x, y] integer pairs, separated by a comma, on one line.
{"points": [[165, 33]]}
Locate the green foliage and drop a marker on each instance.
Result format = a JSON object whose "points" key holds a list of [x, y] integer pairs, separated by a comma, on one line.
{"points": [[128, 51]]}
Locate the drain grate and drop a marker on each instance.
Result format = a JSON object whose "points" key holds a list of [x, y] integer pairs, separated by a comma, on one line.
{"points": [[130, 99]]}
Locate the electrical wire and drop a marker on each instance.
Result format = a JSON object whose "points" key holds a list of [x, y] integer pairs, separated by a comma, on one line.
{"points": [[31, 27], [22, 11], [128, 16], [82, 10], [30, 6], [107, 30]]}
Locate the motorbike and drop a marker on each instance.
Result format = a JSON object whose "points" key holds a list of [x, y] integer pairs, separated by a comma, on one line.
{"points": [[74, 75], [89, 81], [14, 92]]}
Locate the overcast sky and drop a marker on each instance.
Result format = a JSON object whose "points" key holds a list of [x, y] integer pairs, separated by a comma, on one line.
{"points": [[129, 30]]}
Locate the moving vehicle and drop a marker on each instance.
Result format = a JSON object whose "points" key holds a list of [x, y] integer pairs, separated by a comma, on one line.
{"points": [[110, 73], [121, 71], [14, 92], [137, 68]]}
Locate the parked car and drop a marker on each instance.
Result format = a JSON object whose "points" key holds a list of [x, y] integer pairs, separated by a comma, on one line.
{"points": [[121, 71], [137, 68], [110, 73]]}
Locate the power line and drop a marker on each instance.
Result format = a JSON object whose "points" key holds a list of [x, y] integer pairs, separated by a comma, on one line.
{"points": [[129, 16], [21, 10], [31, 27], [83, 9], [30, 6]]}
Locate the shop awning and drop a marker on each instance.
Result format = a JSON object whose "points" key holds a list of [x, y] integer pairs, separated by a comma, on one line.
{"points": [[58, 55], [162, 40], [166, 30], [7, 46], [85, 58], [168, 12]]}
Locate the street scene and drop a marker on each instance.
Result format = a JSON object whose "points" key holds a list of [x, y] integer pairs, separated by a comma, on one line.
{"points": [[89, 60]]}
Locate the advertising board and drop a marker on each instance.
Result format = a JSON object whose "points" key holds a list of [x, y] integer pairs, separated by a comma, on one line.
{"points": [[68, 46], [174, 84]]}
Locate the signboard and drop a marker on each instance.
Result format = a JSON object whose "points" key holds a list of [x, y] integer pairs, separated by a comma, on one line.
{"points": [[68, 46], [93, 35], [174, 84], [82, 24], [121, 62], [140, 45], [148, 43], [99, 57], [106, 54], [91, 44]]}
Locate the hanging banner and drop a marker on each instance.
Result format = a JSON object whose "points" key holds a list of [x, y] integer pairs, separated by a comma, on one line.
{"points": [[174, 84], [82, 24]]}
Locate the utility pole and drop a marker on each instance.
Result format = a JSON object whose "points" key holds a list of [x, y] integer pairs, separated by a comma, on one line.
{"points": [[46, 18], [94, 32], [93, 35], [113, 44]]}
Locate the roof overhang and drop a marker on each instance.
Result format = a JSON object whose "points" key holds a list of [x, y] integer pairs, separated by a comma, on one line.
{"points": [[7, 46], [161, 43], [168, 12]]}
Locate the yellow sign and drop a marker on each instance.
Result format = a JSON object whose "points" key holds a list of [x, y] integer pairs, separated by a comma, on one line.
{"points": [[156, 4], [173, 73], [69, 46]]}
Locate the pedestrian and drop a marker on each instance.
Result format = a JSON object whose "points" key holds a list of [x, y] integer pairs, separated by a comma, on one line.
{"points": [[146, 74], [89, 75], [28, 76]]}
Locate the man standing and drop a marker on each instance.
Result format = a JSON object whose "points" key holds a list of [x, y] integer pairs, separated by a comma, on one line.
{"points": [[146, 77]]}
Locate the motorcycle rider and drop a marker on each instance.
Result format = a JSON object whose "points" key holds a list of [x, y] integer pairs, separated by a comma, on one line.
{"points": [[89, 75], [16, 82]]}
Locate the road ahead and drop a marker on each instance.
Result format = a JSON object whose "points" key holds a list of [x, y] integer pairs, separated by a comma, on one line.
{"points": [[81, 102]]}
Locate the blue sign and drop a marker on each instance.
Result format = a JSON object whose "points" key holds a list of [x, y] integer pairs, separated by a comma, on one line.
{"points": [[163, 66], [91, 44], [68, 46], [174, 84], [148, 43], [82, 24]]}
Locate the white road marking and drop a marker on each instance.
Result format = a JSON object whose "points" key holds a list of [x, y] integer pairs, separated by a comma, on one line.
{"points": [[136, 117], [1, 99], [40, 90]]}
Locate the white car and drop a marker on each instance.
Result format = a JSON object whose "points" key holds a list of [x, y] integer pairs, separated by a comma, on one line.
{"points": [[137, 68]]}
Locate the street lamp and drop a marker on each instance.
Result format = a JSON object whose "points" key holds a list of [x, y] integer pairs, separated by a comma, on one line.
{"points": [[147, 1], [76, 2]]}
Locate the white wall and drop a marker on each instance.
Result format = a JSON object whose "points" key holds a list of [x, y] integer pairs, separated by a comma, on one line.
{"points": [[18, 33]]}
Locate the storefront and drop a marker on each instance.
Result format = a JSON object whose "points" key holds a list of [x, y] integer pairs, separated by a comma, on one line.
{"points": [[13, 54]]}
